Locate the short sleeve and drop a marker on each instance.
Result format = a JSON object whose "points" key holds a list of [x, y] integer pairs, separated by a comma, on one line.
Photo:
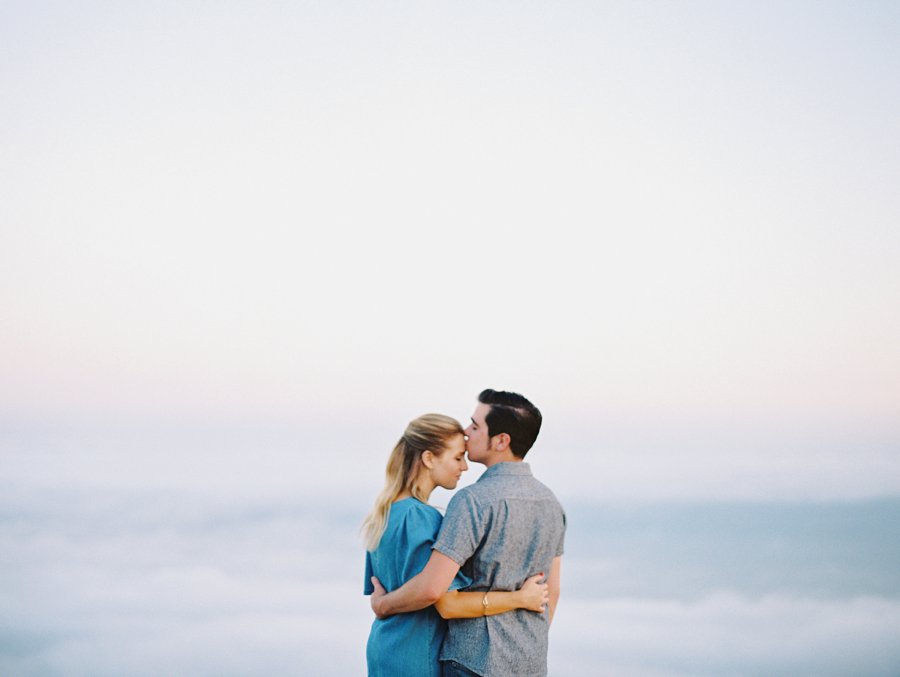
{"points": [[462, 530], [460, 581], [368, 588], [562, 538], [419, 529]]}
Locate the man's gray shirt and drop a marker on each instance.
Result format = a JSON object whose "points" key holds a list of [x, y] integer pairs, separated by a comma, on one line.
{"points": [[501, 530]]}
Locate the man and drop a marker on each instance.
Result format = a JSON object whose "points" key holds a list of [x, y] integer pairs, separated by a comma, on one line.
{"points": [[500, 530]]}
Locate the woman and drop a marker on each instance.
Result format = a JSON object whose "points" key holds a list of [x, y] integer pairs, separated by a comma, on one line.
{"points": [[399, 533]]}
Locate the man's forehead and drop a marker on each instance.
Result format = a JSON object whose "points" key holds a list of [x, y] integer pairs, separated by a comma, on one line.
{"points": [[480, 412]]}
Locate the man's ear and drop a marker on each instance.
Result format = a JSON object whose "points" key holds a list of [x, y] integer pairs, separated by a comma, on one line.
{"points": [[428, 458], [503, 440]]}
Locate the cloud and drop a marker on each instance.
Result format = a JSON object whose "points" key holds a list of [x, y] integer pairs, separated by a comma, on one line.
{"points": [[99, 583], [618, 459], [110, 582], [726, 634]]}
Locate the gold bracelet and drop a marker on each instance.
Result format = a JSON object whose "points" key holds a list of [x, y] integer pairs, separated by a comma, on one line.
{"points": [[484, 603]]}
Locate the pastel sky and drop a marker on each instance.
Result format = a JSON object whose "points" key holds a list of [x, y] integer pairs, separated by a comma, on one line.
{"points": [[673, 225]]}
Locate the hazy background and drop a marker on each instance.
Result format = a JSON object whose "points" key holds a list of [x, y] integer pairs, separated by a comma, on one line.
{"points": [[242, 244]]}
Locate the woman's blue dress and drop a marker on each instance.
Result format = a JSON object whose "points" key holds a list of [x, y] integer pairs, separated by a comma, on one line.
{"points": [[406, 645]]}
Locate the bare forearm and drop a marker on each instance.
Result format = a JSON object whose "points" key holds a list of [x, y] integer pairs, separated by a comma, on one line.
{"points": [[532, 596], [554, 583], [413, 595], [420, 591], [551, 605], [456, 604]]}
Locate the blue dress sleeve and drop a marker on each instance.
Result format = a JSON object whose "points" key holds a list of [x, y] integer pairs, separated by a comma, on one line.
{"points": [[424, 524], [417, 536], [368, 588], [406, 547]]}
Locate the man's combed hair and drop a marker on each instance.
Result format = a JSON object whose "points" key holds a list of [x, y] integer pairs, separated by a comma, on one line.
{"points": [[514, 415]]}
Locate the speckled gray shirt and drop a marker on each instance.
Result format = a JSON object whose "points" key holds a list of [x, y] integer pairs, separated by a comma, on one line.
{"points": [[501, 530]]}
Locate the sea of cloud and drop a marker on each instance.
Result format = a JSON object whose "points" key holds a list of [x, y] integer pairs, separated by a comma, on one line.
{"points": [[233, 550], [98, 581], [726, 634]]}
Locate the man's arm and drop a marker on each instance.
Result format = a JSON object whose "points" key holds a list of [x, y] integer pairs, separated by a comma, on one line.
{"points": [[553, 583], [420, 591]]}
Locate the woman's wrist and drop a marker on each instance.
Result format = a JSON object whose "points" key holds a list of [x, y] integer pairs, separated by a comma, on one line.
{"points": [[519, 599]]}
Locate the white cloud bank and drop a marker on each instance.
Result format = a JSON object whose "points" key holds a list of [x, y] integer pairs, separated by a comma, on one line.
{"points": [[110, 583], [726, 634]]}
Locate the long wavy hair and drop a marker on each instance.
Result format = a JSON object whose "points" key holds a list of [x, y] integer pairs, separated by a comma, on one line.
{"points": [[427, 432]]}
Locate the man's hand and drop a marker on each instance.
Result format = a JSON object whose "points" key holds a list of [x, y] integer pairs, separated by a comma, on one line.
{"points": [[376, 597]]}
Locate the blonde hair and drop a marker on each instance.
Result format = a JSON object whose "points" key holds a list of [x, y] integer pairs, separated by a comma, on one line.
{"points": [[428, 432]]}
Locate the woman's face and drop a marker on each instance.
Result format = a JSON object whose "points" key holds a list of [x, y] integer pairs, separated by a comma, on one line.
{"points": [[451, 464]]}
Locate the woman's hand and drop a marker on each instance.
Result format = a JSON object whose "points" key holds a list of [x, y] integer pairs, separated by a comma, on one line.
{"points": [[534, 594]]}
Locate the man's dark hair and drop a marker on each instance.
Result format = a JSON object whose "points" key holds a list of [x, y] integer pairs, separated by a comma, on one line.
{"points": [[514, 415]]}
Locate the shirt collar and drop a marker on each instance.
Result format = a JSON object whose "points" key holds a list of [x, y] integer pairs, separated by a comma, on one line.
{"points": [[507, 468]]}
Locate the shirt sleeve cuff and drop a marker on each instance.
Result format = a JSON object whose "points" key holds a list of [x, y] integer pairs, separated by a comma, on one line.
{"points": [[452, 554]]}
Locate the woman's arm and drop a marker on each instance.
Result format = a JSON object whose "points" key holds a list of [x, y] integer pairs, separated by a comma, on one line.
{"points": [[533, 595]]}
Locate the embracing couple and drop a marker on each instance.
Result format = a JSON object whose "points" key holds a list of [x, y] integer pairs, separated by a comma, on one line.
{"points": [[491, 567]]}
